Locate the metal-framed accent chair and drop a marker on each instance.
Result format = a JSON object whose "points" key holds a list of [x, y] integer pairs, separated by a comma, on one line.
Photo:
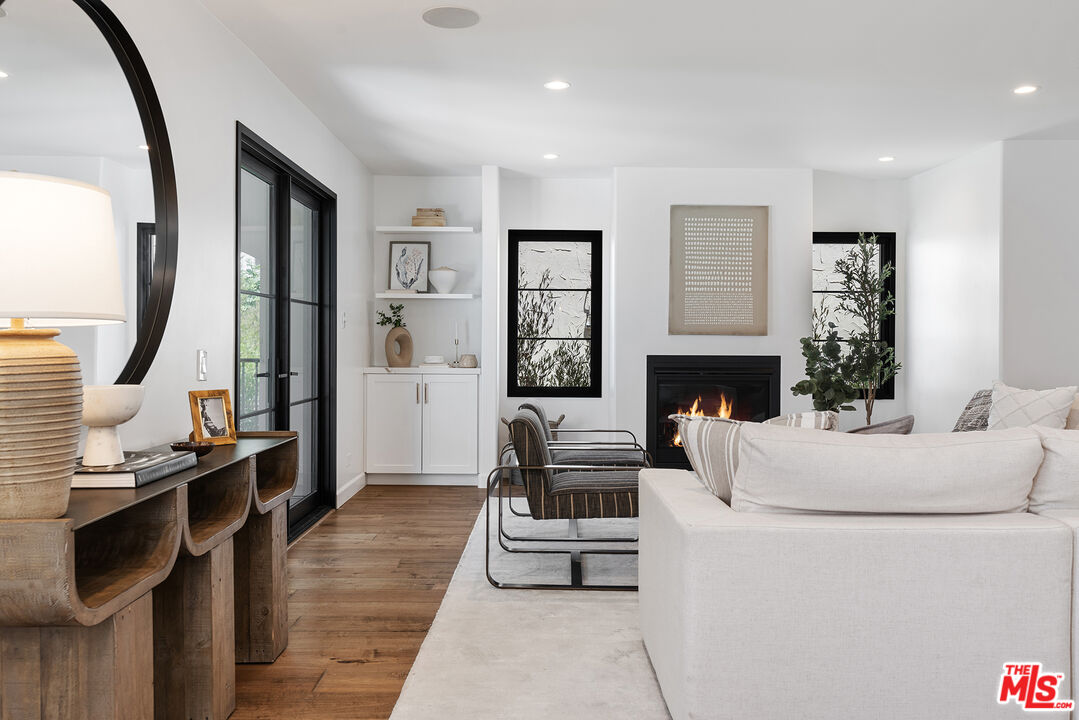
{"points": [[558, 491], [596, 451]]}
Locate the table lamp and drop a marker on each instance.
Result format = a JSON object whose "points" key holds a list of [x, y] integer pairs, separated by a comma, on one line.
{"points": [[59, 267]]}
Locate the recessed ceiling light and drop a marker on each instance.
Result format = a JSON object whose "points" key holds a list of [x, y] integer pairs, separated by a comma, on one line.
{"points": [[1025, 89], [2, 74], [451, 18], [550, 156], [144, 147], [886, 158], [556, 85]]}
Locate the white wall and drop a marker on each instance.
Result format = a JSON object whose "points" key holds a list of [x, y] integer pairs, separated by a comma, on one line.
{"points": [[1039, 260], [641, 261], [953, 286], [560, 204], [207, 80], [845, 203], [431, 322]]}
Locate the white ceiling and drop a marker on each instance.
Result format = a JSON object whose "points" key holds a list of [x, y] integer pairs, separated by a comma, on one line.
{"points": [[826, 84], [65, 94]]}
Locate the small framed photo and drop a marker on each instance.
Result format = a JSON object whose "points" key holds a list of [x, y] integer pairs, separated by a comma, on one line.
{"points": [[211, 416], [409, 263]]}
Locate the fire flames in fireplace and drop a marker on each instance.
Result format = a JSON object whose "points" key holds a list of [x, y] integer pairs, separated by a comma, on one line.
{"points": [[722, 410]]}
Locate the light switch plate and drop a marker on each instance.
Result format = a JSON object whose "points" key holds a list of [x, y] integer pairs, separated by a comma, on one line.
{"points": [[200, 365]]}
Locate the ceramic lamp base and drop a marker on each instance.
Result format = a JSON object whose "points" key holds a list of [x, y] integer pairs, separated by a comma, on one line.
{"points": [[40, 415]]}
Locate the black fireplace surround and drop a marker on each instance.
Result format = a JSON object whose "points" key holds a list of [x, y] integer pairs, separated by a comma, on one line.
{"points": [[742, 387]]}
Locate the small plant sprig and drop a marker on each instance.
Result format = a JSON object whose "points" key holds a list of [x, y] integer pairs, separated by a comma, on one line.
{"points": [[395, 318]]}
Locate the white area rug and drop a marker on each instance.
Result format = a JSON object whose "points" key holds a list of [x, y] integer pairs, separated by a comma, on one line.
{"points": [[535, 654]]}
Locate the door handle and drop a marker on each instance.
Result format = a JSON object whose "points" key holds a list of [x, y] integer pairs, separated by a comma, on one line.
{"points": [[425, 393], [417, 393], [282, 376]]}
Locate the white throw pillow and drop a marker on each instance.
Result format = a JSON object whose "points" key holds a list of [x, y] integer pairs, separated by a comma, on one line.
{"points": [[1013, 407], [711, 444], [1057, 482], [784, 470]]}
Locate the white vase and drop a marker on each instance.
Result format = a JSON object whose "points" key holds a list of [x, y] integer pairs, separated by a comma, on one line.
{"points": [[104, 407], [443, 279]]}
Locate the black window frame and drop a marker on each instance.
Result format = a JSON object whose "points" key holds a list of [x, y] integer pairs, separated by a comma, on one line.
{"points": [[886, 241], [595, 339]]}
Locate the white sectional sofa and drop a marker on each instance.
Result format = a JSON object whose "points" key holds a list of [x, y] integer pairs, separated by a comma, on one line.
{"points": [[768, 616]]}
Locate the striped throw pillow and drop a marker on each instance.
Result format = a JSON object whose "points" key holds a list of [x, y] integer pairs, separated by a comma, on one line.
{"points": [[711, 444]]}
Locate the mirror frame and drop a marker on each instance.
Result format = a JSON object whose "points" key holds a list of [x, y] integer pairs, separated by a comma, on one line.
{"points": [[156, 313]]}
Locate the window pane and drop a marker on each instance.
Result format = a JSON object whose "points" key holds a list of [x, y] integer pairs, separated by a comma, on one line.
{"points": [[554, 265], [824, 258], [303, 339], [256, 353], [256, 423], [302, 419], [554, 314], [302, 242], [256, 224], [828, 304], [554, 363]]}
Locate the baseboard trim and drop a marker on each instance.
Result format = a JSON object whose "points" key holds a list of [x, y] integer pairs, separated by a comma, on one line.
{"points": [[350, 488], [408, 479]]}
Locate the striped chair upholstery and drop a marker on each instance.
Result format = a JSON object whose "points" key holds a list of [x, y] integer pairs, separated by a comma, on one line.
{"points": [[542, 415], [569, 494]]}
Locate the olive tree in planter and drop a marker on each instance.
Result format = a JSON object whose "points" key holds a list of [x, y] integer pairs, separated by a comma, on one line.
{"points": [[868, 362]]}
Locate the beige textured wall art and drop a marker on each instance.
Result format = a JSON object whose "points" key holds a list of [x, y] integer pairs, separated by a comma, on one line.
{"points": [[719, 270]]}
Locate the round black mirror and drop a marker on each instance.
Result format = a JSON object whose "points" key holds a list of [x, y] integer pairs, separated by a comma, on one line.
{"points": [[76, 101]]}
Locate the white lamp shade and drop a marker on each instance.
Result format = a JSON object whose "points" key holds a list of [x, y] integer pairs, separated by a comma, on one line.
{"points": [[58, 259]]}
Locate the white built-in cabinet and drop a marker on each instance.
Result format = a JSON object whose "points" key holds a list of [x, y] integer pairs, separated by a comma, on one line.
{"points": [[421, 422]]}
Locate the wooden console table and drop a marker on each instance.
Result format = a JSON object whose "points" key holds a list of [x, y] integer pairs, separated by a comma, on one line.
{"points": [[82, 637]]}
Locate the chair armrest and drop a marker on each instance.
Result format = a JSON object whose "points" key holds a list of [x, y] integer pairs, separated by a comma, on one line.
{"points": [[593, 430]]}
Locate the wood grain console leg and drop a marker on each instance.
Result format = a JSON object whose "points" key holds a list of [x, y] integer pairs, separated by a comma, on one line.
{"points": [[194, 652], [262, 587], [80, 673]]}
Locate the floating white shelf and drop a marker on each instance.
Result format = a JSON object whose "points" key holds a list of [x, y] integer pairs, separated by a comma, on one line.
{"points": [[424, 296], [408, 229]]}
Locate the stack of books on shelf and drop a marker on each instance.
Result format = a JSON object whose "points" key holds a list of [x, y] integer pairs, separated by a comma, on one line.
{"points": [[429, 217], [138, 469]]}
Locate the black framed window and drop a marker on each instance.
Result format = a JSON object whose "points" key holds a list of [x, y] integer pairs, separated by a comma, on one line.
{"points": [[286, 342], [829, 247], [146, 257], [555, 313]]}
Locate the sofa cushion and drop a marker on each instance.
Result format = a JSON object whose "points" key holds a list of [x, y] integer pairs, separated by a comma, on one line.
{"points": [[782, 470], [897, 426], [711, 444], [975, 415], [1056, 485], [1014, 407], [816, 419]]}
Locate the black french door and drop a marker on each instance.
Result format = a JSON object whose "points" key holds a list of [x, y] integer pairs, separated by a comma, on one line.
{"points": [[285, 338]]}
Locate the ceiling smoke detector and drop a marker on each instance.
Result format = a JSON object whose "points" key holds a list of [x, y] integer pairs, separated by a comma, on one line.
{"points": [[451, 18]]}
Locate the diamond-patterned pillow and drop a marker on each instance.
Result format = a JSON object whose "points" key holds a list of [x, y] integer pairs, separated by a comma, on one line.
{"points": [[1013, 407]]}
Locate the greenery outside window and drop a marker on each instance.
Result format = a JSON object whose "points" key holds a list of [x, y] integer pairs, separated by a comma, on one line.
{"points": [[829, 247], [555, 313]]}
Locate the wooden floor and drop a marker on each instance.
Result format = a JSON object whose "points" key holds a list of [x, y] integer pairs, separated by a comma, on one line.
{"points": [[364, 587]]}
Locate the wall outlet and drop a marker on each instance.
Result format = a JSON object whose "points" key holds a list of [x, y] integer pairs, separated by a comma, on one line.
{"points": [[200, 365]]}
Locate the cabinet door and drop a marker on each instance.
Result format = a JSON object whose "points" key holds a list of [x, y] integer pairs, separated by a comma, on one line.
{"points": [[394, 423], [450, 419]]}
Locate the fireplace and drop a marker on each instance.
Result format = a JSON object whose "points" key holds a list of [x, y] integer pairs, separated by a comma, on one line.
{"points": [[741, 387]]}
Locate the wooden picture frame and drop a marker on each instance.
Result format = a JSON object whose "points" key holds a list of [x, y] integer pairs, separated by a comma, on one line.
{"points": [[211, 416], [401, 272]]}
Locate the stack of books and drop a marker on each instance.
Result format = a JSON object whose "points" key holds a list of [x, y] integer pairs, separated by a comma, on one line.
{"points": [[429, 217], [138, 469]]}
